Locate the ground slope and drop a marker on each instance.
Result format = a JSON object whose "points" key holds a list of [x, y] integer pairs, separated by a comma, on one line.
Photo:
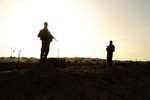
{"points": [[46, 82]]}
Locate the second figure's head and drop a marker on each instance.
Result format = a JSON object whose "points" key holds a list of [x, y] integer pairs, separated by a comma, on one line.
{"points": [[111, 42], [45, 24]]}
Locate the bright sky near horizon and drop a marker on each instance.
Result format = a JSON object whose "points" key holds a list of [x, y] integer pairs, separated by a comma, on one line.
{"points": [[83, 27]]}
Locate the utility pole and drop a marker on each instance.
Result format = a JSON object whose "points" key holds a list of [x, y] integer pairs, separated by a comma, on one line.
{"points": [[11, 53], [19, 55], [58, 52]]}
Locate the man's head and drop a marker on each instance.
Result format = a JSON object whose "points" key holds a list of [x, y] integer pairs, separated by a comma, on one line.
{"points": [[45, 24], [111, 42]]}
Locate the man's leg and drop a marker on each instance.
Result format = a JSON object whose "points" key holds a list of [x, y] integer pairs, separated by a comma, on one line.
{"points": [[42, 52], [109, 60], [41, 57], [45, 56], [46, 50]]}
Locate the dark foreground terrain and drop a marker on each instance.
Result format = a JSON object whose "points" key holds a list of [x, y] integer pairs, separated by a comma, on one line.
{"points": [[32, 81]]}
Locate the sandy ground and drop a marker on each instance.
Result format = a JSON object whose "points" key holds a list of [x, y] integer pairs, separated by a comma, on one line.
{"points": [[46, 82]]}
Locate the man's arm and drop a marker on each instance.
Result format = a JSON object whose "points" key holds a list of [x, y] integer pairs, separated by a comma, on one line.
{"points": [[114, 48], [39, 35]]}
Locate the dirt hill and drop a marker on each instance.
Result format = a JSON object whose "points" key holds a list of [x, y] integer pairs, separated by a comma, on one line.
{"points": [[46, 82]]}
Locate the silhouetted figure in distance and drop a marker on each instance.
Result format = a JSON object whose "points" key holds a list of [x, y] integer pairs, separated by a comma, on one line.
{"points": [[110, 49], [46, 37]]}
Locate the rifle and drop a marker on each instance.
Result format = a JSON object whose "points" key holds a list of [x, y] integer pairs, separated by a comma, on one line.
{"points": [[55, 39]]}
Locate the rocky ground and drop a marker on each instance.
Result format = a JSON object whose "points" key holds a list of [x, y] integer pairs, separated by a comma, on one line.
{"points": [[46, 82]]}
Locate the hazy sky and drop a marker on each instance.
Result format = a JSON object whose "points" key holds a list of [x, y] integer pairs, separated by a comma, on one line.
{"points": [[83, 27]]}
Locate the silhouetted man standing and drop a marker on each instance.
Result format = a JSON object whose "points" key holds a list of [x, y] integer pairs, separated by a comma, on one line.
{"points": [[110, 49], [46, 37]]}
